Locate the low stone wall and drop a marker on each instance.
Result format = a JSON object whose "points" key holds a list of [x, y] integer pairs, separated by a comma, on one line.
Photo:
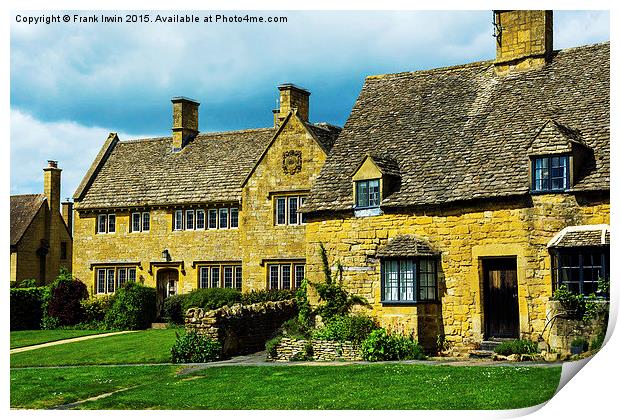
{"points": [[242, 329], [321, 350], [562, 329]]}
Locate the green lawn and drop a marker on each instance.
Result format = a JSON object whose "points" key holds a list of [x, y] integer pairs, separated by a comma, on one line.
{"points": [[376, 386], [150, 346], [32, 337]]}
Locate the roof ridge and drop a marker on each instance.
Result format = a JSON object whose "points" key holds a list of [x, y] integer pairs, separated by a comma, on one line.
{"points": [[28, 195], [200, 134], [475, 63]]}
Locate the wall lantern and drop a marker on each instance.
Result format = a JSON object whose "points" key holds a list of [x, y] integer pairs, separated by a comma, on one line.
{"points": [[165, 255]]}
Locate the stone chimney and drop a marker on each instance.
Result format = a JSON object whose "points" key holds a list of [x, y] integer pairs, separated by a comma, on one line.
{"points": [[67, 213], [524, 39], [51, 185], [184, 121], [292, 97]]}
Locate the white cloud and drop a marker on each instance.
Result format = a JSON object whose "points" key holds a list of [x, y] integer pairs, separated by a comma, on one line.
{"points": [[33, 142]]}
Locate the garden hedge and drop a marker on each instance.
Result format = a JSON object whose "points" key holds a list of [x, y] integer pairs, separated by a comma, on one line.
{"points": [[26, 307]]}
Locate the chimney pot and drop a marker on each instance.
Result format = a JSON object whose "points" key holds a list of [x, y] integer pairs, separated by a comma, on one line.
{"points": [[52, 164]]}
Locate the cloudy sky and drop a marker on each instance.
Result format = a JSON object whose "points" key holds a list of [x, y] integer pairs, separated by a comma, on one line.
{"points": [[71, 84]]}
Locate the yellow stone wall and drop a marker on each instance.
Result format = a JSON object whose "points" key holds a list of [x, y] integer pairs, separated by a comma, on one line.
{"points": [[147, 247], [27, 262], [260, 237], [256, 238], [463, 236]]}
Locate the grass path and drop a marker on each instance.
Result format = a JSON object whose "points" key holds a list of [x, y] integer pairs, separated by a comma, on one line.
{"points": [[32, 337], [65, 341]]}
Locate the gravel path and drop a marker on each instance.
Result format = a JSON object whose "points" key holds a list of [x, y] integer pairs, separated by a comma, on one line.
{"points": [[68, 340]]}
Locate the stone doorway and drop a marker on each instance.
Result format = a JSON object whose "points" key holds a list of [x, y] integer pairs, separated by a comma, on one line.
{"points": [[501, 306], [167, 283]]}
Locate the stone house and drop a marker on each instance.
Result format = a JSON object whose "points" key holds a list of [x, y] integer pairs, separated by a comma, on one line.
{"points": [[456, 199], [199, 210], [41, 241]]}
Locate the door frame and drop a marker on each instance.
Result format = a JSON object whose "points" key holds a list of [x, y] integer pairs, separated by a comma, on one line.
{"points": [[166, 288], [512, 262]]}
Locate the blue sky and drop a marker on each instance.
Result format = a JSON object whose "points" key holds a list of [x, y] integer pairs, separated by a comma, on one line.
{"points": [[71, 84]]}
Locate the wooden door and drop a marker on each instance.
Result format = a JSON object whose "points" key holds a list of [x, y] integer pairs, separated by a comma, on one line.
{"points": [[501, 311]]}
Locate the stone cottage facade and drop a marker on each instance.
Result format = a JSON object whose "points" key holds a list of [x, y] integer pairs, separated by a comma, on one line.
{"points": [[456, 199], [198, 210], [41, 240]]}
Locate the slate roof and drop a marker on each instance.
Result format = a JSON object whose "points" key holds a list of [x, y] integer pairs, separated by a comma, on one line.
{"points": [[462, 133], [145, 172], [23, 210], [576, 236], [406, 246]]}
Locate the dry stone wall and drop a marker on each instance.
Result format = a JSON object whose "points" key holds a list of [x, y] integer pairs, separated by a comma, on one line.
{"points": [[563, 330], [242, 329], [322, 350]]}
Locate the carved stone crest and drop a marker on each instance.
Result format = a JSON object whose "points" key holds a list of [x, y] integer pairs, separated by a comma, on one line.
{"points": [[291, 162]]}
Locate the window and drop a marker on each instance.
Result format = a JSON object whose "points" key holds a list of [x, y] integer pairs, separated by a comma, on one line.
{"points": [[550, 173], [287, 210], [280, 276], [212, 219], [234, 218], [228, 276], [102, 223], [220, 275], [280, 211], [302, 215], [409, 280], [140, 222], [215, 276], [238, 277], [367, 193], [223, 218], [203, 277], [106, 223], [580, 268], [63, 250], [300, 273], [146, 222], [110, 279], [189, 219], [200, 219], [178, 220]]}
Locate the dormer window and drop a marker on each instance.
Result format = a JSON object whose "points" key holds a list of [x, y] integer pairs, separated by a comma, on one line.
{"points": [[550, 173], [367, 193]]}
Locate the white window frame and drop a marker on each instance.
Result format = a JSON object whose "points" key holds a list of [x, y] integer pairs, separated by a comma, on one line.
{"points": [[130, 276], [238, 276], [148, 217], [175, 220], [221, 211], [230, 213], [113, 217], [204, 219], [292, 274], [105, 223], [295, 267], [276, 208], [299, 220], [133, 227], [208, 223], [187, 220]]}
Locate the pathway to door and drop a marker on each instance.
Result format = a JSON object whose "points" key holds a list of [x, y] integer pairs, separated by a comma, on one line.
{"points": [[68, 340]]}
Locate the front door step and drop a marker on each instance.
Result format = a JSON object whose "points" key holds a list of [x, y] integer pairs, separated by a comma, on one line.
{"points": [[492, 342], [481, 354], [159, 325]]}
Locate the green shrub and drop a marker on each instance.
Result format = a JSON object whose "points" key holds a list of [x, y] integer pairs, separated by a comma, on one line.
{"points": [[269, 295], [134, 307], [580, 342], [64, 301], [23, 284], [272, 346], [294, 328], [95, 309], [516, 347], [381, 346], [334, 298], [355, 328], [192, 347], [210, 298], [173, 309], [598, 341], [27, 307]]}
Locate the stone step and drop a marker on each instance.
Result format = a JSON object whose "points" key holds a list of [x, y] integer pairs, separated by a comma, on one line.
{"points": [[491, 343], [481, 354], [159, 325]]}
